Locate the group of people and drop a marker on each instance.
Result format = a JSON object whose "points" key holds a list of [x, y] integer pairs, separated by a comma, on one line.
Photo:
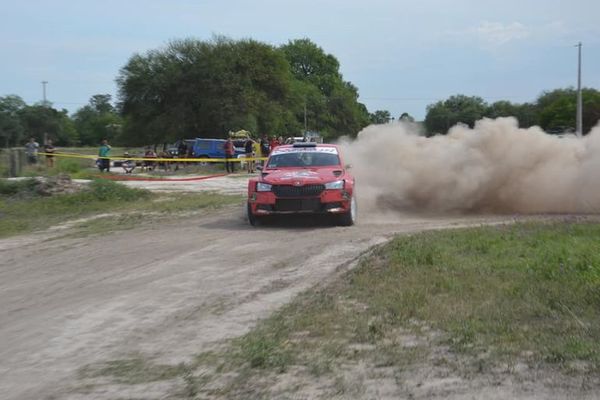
{"points": [[252, 149], [32, 150], [128, 164]]}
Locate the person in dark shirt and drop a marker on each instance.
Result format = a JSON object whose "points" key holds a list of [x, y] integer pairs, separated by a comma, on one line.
{"points": [[249, 150], [265, 149], [182, 150]]}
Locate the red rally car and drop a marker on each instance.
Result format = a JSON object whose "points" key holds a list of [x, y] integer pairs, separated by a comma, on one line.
{"points": [[303, 178]]}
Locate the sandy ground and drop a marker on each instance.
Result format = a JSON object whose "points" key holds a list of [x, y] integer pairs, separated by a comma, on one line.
{"points": [[233, 184], [165, 294]]}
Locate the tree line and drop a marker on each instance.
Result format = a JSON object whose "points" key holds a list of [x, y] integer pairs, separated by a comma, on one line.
{"points": [[194, 88], [91, 123], [554, 111]]}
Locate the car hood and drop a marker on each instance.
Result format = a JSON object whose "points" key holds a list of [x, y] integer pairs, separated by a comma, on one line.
{"points": [[304, 176]]}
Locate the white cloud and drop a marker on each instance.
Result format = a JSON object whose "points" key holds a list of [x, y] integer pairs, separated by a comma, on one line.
{"points": [[497, 33]]}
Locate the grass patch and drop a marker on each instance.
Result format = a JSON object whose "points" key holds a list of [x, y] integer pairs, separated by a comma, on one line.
{"points": [[23, 210], [20, 188], [506, 290], [528, 292], [133, 371]]}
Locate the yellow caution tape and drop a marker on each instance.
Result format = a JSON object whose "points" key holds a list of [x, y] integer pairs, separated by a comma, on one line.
{"points": [[154, 159]]}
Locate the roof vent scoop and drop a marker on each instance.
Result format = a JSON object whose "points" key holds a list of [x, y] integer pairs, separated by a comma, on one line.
{"points": [[337, 173]]}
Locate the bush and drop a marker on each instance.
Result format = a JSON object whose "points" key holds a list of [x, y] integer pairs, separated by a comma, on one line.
{"points": [[105, 190], [17, 187], [67, 165]]}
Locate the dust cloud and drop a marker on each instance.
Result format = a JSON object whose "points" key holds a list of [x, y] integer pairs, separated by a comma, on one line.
{"points": [[496, 167]]}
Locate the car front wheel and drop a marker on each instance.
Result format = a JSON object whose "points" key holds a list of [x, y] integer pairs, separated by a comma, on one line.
{"points": [[253, 219], [349, 218]]}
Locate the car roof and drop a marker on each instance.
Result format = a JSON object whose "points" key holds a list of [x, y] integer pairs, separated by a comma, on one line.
{"points": [[289, 146]]}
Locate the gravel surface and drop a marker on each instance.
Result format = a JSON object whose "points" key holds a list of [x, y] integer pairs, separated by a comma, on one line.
{"points": [[163, 292]]}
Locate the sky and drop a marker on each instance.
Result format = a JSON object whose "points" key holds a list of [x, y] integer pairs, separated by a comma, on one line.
{"points": [[401, 55]]}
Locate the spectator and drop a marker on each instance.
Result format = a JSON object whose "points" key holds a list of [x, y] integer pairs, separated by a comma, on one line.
{"points": [[274, 142], [103, 154], [229, 154], [256, 149], [166, 165], [249, 150], [31, 149], [264, 146], [148, 164], [49, 150], [182, 150], [128, 165]]}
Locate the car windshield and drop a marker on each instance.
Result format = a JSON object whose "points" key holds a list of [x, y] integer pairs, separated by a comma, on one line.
{"points": [[303, 159]]}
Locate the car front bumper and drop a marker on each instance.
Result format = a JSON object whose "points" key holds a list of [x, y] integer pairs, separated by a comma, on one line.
{"points": [[329, 201]]}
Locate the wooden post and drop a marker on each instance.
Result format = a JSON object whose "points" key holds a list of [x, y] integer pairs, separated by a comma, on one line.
{"points": [[12, 163]]}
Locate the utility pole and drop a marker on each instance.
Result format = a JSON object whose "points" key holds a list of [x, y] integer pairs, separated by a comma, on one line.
{"points": [[44, 83], [579, 128]]}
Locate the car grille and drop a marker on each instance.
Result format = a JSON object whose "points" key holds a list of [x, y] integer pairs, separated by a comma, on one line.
{"points": [[313, 205], [288, 191]]}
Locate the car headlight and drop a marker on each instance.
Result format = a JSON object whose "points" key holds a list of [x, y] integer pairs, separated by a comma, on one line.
{"points": [[263, 187], [335, 185]]}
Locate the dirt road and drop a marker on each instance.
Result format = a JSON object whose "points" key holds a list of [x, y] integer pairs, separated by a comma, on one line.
{"points": [[165, 293]]}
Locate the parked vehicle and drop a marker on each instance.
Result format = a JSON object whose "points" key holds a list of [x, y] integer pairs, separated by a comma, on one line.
{"points": [[303, 178], [209, 148], [213, 148], [175, 149]]}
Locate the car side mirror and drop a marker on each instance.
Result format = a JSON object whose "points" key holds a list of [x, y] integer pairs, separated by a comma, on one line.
{"points": [[348, 166], [259, 167]]}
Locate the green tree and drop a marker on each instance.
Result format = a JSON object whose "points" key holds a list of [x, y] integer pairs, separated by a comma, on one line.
{"points": [[557, 109], [206, 89], [406, 117], [526, 113], [442, 115], [11, 129], [41, 120], [501, 108], [331, 103], [380, 117], [97, 120]]}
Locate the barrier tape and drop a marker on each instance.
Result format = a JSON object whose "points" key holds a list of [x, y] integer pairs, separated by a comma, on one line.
{"points": [[154, 159]]}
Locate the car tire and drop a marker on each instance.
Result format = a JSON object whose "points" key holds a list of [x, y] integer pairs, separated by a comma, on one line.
{"points": [[349, 218], [253, 219]]}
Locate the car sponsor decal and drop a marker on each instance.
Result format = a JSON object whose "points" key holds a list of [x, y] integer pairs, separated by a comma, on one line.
{"points": [[296, 175], [278, 150]]}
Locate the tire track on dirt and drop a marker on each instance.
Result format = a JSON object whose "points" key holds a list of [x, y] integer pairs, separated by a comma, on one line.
{"points": [[165, 294]]}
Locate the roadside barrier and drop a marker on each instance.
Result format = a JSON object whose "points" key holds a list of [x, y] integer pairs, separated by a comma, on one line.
{"points": [[154, 159]]}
